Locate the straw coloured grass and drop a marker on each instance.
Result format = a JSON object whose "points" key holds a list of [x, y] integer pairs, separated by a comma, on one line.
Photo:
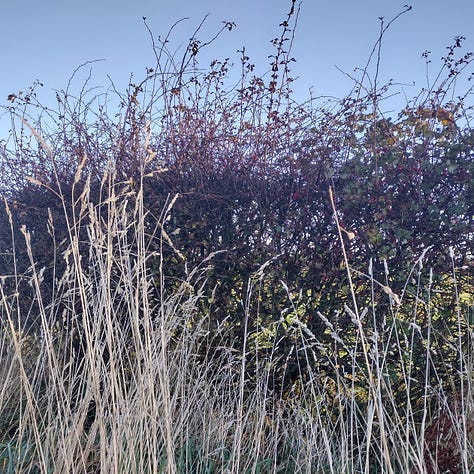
{"points": [[125, 381]]}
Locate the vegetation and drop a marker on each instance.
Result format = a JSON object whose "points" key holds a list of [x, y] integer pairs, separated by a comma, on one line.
{"points": [[218, 279]]}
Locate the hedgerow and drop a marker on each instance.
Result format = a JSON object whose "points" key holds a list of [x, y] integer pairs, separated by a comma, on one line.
{"points": [[310, 223]]}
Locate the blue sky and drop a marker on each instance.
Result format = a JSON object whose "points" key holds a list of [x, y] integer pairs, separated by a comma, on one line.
{"points": [[48, 39]]}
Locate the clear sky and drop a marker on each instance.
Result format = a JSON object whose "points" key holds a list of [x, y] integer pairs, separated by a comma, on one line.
{"points": [[46, 40]]}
